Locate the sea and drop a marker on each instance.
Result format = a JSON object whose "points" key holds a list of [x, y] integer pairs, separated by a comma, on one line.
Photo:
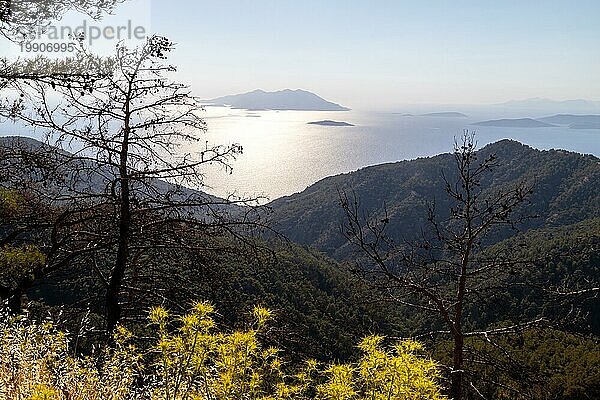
{"points": [[283, 154]]}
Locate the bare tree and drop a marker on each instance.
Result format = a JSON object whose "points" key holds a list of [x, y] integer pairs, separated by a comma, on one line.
{"points": [[135, 148], [446, 271]]}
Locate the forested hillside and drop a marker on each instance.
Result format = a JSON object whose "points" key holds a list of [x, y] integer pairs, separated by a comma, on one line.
{"points": [[564, 192]]}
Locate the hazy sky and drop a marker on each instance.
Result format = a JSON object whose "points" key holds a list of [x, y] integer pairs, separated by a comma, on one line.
{"points": [[383, 53], [379, 54]]}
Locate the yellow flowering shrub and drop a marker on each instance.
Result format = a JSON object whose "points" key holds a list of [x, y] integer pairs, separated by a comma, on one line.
{"points": [[192, 360], [35, 364]]}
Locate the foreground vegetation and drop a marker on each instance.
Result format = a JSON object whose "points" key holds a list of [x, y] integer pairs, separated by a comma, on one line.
{"points": [[190, 359]]}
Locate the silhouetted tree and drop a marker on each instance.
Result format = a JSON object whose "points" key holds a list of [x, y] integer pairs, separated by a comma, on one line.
{"points": [[135, 147], [447, 271]]}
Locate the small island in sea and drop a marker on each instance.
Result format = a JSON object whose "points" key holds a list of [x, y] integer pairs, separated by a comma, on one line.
{"points": [[328, 122], [515, 123], [450, 114]]}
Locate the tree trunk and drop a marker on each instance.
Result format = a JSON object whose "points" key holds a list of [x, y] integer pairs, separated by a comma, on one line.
{"points": [[457, 332], [457, 368], [113, 308]]}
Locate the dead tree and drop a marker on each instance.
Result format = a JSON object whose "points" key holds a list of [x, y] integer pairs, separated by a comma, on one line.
{"points": [[446, 270], [134, 152]]}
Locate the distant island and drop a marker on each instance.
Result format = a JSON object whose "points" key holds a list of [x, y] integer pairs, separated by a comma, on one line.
{"points": [[515, 123], [283, 100], [451, 114], [328, 122]]}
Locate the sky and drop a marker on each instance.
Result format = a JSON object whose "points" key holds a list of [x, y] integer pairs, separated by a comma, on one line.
{"points": [[382, 54], [385, 53]]}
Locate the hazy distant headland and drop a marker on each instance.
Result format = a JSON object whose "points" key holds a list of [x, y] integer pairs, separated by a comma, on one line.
{"points": [[570, 120], [552, 106], [298, 100], [574, 121], [585, 126], [515, 123], [328, 122], [449, 114]]}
